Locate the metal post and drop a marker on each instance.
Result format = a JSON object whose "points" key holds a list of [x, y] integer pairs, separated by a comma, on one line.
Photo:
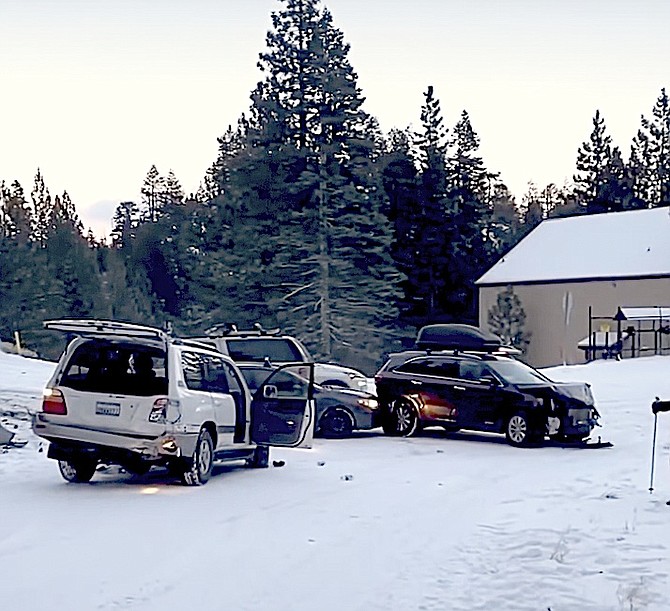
{"points": [[653, 456]]}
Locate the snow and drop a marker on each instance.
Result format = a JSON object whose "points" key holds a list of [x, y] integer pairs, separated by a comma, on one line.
{"points": [[628, 244], [459, 522]]}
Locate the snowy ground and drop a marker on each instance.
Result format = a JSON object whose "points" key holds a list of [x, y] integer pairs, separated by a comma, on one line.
{"points": [[459, 522]]}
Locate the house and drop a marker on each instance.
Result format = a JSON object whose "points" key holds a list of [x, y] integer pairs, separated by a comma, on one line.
{"points": [[573, 275]]}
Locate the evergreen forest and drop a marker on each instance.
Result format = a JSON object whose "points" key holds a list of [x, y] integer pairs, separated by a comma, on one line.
{"points": [[310, 219]]}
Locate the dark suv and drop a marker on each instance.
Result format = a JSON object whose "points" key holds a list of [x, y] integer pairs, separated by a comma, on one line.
{"points": [[460, 377]]}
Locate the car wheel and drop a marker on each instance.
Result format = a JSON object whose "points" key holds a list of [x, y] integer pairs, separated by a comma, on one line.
{"points": [[519, 431], [260, 459], [336, 422], [404, 419], [77, 470], [200, 468]]}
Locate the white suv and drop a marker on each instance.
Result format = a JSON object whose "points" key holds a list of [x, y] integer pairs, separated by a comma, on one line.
{"points": [[259, 346], [135, 396]]}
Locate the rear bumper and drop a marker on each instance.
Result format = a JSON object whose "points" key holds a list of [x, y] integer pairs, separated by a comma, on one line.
{"points": [[149, 447]]}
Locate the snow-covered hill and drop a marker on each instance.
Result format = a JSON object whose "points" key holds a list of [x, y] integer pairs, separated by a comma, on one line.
{"points": [[458, 522]]}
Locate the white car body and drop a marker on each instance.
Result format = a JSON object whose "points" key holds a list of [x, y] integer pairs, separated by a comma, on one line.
{"points": [[139, 422]]}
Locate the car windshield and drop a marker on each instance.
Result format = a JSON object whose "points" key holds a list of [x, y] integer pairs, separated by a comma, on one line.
{"points": [[516, 372], [278, 350]]}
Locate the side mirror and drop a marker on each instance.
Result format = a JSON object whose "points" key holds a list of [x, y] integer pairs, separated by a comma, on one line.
{"points": [[270, 391]]}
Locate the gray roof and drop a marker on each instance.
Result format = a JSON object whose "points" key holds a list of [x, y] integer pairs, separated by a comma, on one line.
{"points": [[630, 244]]}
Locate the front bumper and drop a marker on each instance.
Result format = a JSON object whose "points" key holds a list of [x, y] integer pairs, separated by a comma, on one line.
{"points": [[579, 421]]}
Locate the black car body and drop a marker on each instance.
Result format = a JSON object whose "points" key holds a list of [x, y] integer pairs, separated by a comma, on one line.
{"points": [[481, 388], [339, 410]]}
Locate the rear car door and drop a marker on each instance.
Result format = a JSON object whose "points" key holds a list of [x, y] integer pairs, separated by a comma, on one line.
{"points": [[198, 402], [430, 379], [282, 410], [225, 383]]}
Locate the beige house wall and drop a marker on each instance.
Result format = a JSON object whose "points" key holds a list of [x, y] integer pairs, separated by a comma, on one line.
{"points": [[555, 333]]}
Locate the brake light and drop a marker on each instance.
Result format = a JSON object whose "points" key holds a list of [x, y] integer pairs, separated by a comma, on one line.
{"points": [[159, 410], [53, 402]]}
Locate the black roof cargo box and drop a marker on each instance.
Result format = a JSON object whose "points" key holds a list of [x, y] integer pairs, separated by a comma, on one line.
{"points": [[456, 337]]}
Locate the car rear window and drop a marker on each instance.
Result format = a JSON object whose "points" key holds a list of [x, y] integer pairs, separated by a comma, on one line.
{"points": [[125, 369], [278, 350]]}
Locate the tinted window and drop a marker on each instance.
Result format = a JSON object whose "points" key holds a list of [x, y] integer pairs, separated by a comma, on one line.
{"points": [[471, 370], [289, 384], [215, 378], [126, 369], [516, 372], [431, 367], [277, 349], [193, 368]]}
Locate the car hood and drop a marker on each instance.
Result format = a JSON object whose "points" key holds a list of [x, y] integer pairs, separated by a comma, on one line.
{"points": [[579, 392]]}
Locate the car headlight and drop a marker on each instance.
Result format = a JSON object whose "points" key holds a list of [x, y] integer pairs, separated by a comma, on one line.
{"points": [[368, 403]]}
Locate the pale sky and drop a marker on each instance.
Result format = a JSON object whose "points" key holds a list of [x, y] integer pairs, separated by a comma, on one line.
{"points": [[93, 92]]}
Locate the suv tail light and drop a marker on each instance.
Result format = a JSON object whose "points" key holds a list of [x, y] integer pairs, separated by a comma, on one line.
{"points": [[53, 402], [159, 410]]}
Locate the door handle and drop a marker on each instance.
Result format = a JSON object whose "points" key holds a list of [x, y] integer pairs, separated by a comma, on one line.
{"points": [[459, 387], [416, 382]]}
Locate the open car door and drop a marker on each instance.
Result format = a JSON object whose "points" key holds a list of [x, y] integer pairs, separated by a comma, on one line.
{"points": [[282, 410]]}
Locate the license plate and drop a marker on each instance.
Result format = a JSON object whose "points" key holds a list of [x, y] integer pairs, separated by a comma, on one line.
{"points": [[103, 408]]}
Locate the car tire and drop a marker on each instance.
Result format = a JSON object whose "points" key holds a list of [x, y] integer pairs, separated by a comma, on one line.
{"points": [[336, 423], [200, 466], [519, 431], [403, 418], [77, 470], [260, 459]]}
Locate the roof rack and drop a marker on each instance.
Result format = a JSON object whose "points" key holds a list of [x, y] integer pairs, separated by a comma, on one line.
{"points": [[230, 330]]}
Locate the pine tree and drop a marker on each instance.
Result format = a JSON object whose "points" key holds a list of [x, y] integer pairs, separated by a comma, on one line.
{"points": [[641, 168], [593, 159], [431, 262], [312, 189], [470, 247], [507, 320], [615, 191], [17, 217], [42, 210], [532, 209], [400, 181], [151, 189], [650, 156], [505, 225], [124, 224]]}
